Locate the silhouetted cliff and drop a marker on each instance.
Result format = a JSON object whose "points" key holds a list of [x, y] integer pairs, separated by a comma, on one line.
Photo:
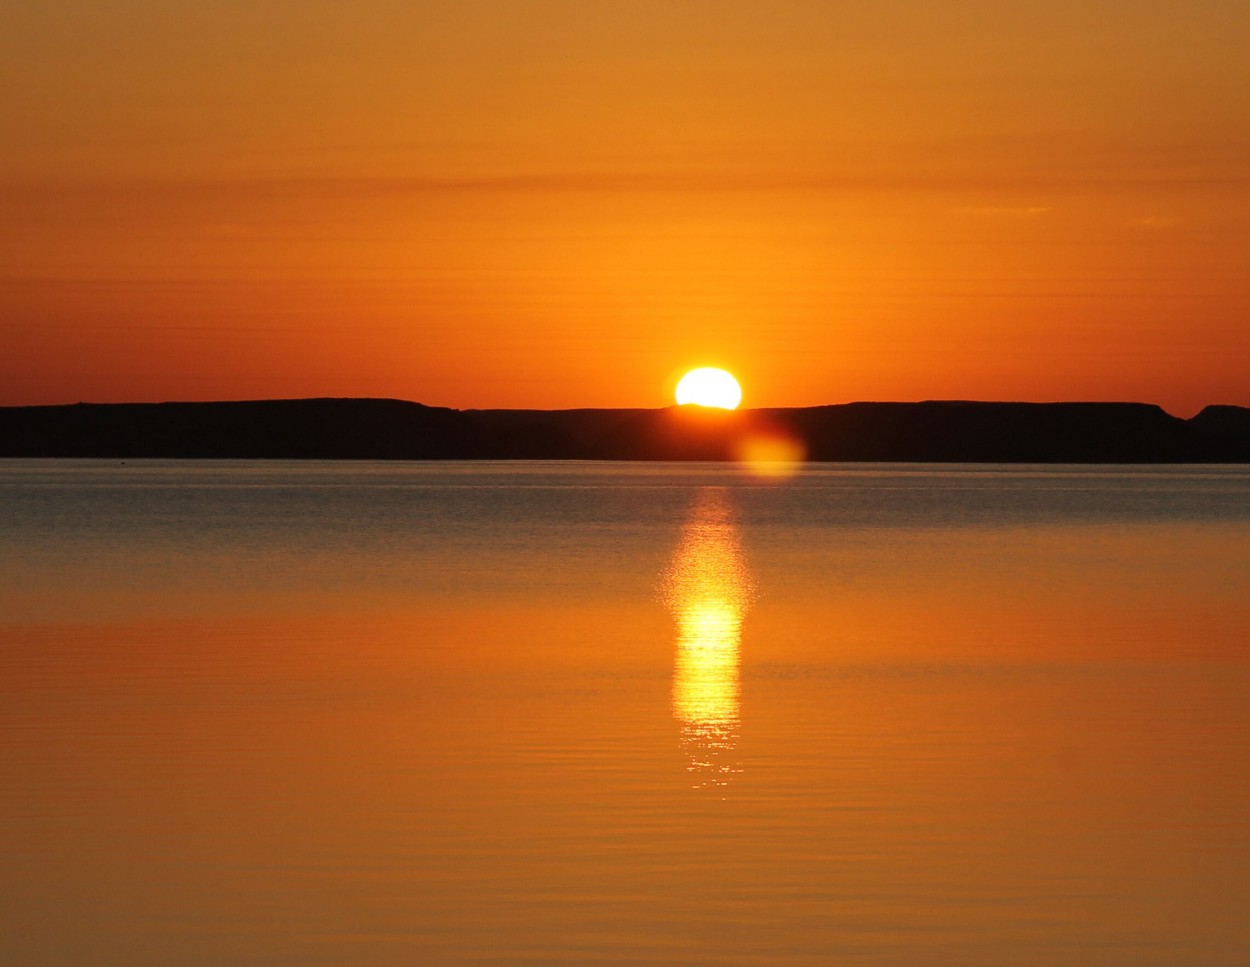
{"points": [[274, 429], [395, 429], [998, 432], [1228, 427]]}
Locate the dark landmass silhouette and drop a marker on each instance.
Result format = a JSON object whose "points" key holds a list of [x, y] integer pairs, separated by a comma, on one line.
{"points": [[939, 431]]}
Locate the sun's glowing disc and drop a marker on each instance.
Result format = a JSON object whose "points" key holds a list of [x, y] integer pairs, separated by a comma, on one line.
{"points": [[709, 387]]}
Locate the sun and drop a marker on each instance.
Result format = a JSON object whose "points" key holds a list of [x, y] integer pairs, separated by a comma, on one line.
{"points": [[709, 387]]}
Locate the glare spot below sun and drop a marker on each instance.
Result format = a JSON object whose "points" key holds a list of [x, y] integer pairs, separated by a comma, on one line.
{"points": [[708, 386]]}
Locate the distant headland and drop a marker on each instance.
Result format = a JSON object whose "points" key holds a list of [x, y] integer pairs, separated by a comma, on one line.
{"points": [[387, 429]]}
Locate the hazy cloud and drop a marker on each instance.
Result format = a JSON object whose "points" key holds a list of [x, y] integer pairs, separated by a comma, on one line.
{"points": [[993, 211]]}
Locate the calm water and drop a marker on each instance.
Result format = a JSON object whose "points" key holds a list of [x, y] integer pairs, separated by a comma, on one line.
{"points": [[374, 714]]}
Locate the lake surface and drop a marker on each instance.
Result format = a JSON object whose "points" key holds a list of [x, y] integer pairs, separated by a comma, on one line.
{"points": [[379, 713]]}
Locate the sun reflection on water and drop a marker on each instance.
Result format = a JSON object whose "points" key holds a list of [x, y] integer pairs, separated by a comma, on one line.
{"points": [[708, 589]]}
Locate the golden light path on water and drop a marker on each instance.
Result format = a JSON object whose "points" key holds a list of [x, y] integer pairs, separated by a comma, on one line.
{"points": [[708, 588]]}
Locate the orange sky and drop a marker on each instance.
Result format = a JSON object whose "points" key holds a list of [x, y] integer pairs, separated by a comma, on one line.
{"points": [[556, 204]]}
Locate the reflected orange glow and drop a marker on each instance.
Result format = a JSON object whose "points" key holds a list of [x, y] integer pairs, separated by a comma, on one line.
{"points": [[1019, 734], [708, 589], [773, 455]]}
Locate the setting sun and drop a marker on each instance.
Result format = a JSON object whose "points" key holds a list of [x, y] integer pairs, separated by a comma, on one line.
{"points": [[709, 387]]}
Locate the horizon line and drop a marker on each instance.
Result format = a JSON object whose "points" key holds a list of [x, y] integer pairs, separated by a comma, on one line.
{"points": [[670, 406]]}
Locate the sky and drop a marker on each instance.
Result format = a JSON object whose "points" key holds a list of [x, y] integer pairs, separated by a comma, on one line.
{"points": [[495, 203]]}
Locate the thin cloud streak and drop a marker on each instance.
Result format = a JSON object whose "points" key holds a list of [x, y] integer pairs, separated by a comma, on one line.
{"points": [[609, 182]]}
